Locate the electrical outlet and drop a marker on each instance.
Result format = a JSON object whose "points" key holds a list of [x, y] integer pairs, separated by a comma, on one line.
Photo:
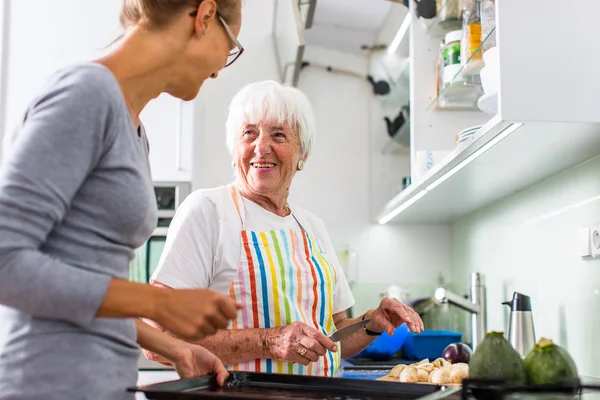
{"points": [[595, 240]]}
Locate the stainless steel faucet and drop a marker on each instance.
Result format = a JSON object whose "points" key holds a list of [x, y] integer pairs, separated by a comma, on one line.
{"points": [[476, 305]]}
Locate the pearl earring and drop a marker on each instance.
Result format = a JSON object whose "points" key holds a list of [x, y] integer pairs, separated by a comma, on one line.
{"points": [[300, 165]]}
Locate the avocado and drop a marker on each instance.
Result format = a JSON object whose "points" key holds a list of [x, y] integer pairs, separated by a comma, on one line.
{"points": [[495, 358], [548, 363]]}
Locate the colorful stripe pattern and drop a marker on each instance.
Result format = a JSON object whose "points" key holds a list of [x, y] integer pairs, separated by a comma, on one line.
{"points": [[284, 277]]}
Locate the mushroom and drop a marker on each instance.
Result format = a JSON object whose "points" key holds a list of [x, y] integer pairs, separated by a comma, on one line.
{"points": [[395, 372], [409, 375], [423, 374], [458, 372], [440, 376], [427, 367]]}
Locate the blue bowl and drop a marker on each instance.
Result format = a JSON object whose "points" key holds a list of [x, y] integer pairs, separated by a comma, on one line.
{"points": [[385, 346], [428, 344]]}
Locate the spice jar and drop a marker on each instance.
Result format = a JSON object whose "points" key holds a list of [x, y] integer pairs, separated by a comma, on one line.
{"points": [[471, 55], [451, 56], [451, 48]]}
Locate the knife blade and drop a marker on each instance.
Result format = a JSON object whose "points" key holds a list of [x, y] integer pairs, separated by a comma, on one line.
{"points": [[348, 330]]}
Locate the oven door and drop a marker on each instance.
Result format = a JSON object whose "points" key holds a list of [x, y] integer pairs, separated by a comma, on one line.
{"points": [[147, 257]]}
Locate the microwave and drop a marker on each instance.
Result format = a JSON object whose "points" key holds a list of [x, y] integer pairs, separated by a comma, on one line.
{"points": [[169, 195]]}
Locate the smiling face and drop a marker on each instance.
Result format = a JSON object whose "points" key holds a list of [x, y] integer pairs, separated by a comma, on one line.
{"points": [[266, 156]]}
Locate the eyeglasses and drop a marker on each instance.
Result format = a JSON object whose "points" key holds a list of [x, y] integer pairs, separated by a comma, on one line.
{"points": [[238, 50]]}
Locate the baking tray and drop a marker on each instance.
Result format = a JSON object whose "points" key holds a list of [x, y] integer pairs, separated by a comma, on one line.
{"points": [[251, 385]]}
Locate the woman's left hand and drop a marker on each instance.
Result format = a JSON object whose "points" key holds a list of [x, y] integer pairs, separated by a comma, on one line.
{"points": [[392, 313], [193, 360]]}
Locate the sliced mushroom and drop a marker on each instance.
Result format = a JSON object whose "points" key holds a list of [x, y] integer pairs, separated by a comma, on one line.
{"points": [[440, 376], [458, 372], [409, 375], [427, 367], [395, 372], [423, 375]]}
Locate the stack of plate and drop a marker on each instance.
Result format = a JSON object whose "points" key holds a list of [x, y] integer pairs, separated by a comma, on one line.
{"points": [[466, 135]]}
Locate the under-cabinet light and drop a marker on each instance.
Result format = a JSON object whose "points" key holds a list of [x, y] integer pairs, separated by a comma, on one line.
{"points": [[563, 210], [402, 207], [399, 35], [503, 135]]}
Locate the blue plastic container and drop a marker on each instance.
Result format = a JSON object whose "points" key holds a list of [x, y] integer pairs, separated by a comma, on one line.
{"points": [[428, 344], [385, 346]]}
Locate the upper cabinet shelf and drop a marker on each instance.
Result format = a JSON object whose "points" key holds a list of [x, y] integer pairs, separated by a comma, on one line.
{"points": [[507, 157], [545, 118], [464, 88]]}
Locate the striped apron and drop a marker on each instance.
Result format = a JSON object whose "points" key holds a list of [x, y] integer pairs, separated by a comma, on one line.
{"points": [[283, 277]]}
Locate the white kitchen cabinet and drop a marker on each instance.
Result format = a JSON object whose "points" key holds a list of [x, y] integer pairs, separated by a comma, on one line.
{"points": [[546, 121], [169, 126]]}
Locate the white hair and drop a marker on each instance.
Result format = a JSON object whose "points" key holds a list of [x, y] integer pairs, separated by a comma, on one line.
{"points": [[271, 101]]}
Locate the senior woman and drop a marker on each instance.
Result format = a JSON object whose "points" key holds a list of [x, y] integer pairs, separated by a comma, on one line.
{"points": [[274, 258]]}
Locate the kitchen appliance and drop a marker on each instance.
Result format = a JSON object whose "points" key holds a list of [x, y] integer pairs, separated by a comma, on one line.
{"points": [[476, 305], [349, 330], [169, 195], [521, 333]]}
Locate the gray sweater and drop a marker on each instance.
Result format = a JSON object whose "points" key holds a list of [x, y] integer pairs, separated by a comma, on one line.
{"points": [[76, 199]]}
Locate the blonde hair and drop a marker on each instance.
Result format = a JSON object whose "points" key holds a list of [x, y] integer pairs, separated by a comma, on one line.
{"points": [[270, 100], [160, 12]]}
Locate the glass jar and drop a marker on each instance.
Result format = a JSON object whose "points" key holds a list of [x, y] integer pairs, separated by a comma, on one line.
{"points": [[488, 23], [449, 14], [471, 55], [451, 56]]}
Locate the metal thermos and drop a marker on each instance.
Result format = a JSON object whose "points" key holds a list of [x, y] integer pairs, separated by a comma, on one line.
{"points": [[521, 333]]}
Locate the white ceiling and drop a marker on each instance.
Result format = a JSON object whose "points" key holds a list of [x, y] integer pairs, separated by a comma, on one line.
{"points": [[345, 25]]}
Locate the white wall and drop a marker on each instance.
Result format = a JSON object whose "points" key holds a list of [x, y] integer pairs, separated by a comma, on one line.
{"points": [[212, 164], [529, 243], [47, 35]]}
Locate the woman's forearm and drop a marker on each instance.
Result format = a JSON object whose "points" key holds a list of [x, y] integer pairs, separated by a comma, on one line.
{"points": [[231, 346], [126, 299], [157, 342], [356, 343], [240, 345]]}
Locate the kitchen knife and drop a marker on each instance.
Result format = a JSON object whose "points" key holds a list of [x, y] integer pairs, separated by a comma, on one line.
{"points": [[349, 330]]}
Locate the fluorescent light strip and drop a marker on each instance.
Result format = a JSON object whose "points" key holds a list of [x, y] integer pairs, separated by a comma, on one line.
{"points": [[399, 35], [510, 129], [561, 211], [403, 207]]}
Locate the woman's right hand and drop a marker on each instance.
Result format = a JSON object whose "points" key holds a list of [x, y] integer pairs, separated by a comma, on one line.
{"points": [[298, 343], [193, 314]]}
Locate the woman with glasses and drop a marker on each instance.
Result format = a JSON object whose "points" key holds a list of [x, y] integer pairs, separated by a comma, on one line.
{"points": [[76, 199]]}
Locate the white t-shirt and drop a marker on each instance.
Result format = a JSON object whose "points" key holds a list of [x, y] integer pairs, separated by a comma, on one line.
{"points": [[203, 246]]}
